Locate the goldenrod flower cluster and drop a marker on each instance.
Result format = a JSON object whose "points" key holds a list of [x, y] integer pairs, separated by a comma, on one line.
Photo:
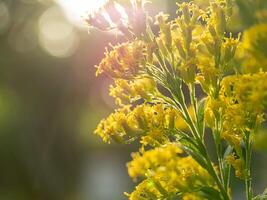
{"points": [[255, 53], [173, 87], [123, 61], [126, 92], [237, 164], [167, 173], [241, 106], [151, 123]]}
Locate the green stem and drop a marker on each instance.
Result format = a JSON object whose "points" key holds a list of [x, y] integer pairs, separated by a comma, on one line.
{"points": [[214, 174], [192, 91], [196, 134], [248, 182], [218, 147], [228, 175], [190, 121]]}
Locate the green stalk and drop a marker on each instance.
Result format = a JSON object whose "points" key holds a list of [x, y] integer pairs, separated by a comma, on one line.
{"points": [[248, 182], [189, 119], [215, 176], [218, 147], [211, 169], [228, 175], [192, 91]]}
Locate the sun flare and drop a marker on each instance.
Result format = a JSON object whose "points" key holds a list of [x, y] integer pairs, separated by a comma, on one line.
{"points": [[75, 9]]}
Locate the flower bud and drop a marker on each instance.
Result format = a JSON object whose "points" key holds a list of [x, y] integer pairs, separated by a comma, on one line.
{"points": [[180, 49], [220, 20]]}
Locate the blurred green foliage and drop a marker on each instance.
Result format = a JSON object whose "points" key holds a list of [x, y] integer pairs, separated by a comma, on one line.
{"points": [[42, 100]]}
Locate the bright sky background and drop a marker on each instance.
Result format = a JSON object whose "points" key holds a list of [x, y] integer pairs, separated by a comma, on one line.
{"points": [[57, 35], [75, 9]]}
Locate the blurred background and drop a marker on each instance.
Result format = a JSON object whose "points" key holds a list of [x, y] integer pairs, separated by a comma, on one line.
{"points": [[50, 103]]}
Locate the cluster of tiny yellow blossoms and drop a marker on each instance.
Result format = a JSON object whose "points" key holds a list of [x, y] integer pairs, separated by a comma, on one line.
{"points": [[255, 52], [195, 74], [237, 164], [241, 105], [123, 61], [216, 51], [166, 172], [186, 29], [126, 92], [241, 109], [151, 123]]}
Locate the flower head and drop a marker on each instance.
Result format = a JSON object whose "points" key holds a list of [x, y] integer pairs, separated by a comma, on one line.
{"points": [[126, 92], [151, 123], [124, 61], [166, 173]]}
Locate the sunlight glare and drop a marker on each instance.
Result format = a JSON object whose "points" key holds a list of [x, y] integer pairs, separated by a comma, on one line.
{"points": [[56, 35], [76, 9]]}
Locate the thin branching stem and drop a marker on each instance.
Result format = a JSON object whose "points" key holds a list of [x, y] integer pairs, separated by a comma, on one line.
{"points": [[248, 182]]}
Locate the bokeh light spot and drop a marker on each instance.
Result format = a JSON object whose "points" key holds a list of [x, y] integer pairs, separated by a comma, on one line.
{"points": [[56, 35]]}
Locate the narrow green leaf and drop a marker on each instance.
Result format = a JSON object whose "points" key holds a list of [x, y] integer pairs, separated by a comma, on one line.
{"points": [[211, 193], [200, 116], [197, 157]]}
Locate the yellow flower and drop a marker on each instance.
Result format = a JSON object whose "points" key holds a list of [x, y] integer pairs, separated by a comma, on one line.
{"points": [[154, 138], [112, 127], [215, 59], [229, 47], [255, 40], [218, 18], [147, 190], [238, 165], [165, 29], [208, 74], [126, 92], [124, 61], [152, 159], [234, 138], [144, 191], [244, 99], [213, 110], [240, 106], [167, 173], [247, 89], [186, 29], [151, 123], [255, 49]]}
